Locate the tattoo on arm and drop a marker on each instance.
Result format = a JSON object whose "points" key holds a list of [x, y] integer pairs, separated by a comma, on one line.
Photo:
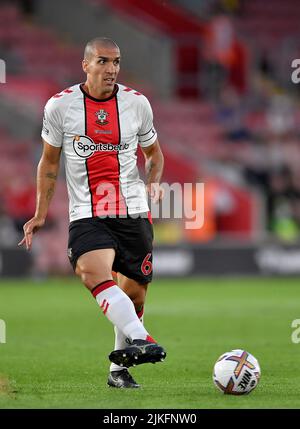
{"points": [[51, 176], [150, 167], [50, 193]]}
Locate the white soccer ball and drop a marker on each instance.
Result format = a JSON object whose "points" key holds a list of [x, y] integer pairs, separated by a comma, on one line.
{"points": [[236, 372]]}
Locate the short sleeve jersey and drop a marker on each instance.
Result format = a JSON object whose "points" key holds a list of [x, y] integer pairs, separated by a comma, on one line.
{"points": [[99, 140]]}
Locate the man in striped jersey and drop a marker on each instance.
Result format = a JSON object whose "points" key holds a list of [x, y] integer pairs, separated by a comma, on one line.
{"points": [[98, 126]]}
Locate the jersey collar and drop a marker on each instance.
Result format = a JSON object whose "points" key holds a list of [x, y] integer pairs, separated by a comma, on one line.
{"points": [[116, 89]]}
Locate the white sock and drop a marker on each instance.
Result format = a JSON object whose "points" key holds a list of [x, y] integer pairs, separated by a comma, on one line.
{"points": [[119, 309], [120, 342]]}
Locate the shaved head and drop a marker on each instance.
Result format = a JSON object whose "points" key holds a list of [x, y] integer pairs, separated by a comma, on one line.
{"points": [[101, 63], [98, 42]]}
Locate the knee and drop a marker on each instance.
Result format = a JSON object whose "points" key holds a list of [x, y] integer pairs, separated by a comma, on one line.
{"points": [[91, 279], [88, 280]]}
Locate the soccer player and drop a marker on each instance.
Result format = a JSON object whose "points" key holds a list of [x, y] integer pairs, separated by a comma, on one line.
{"points": [[98, 125]]}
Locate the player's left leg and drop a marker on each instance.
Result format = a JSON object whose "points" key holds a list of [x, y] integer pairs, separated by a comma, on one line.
{"points": [[119, 376], [136, 291]]}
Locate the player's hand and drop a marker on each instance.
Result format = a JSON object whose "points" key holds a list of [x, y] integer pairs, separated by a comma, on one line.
{"points": [[155, 191], [30, 227]]}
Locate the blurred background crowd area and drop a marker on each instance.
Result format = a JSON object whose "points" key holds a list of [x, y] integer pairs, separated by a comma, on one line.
{"points": [[218, 76]]}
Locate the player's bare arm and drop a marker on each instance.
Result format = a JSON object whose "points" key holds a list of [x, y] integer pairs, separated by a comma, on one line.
{"points": [[154, 165], [46, 179]]}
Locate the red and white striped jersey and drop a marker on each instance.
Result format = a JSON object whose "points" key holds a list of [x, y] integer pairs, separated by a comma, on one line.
{"points": [[99, 141]]}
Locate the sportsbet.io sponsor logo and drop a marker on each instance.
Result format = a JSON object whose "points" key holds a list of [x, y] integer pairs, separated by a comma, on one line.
{"points": [[85, 147]]}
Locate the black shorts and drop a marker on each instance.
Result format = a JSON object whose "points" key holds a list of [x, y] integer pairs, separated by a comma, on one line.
{"points": [[130, 237]]}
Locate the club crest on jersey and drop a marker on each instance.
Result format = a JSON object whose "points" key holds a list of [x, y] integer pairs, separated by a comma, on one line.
{"points": [[102, 117]]}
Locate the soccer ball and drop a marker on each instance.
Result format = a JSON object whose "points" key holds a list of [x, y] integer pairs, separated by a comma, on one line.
{"points": [[236, 372]]}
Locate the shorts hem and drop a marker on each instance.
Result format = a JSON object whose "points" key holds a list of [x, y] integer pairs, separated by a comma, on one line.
{"points": [[140, 280], [74, 260]]}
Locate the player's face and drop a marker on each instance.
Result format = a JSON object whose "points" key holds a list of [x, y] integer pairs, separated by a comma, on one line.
{"points": [[102, 68]]}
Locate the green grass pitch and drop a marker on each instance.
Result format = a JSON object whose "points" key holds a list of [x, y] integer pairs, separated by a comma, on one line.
{"points": [[58, 341]]}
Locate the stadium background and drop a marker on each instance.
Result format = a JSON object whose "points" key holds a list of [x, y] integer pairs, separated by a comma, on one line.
{"points": [[218, 75]]}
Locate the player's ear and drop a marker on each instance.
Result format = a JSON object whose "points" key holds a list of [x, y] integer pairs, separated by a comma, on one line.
{"points": [[84, 65]]}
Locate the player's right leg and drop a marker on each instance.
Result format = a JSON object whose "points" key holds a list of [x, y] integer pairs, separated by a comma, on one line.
{"points": [[95, 266], [94, 269]]}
